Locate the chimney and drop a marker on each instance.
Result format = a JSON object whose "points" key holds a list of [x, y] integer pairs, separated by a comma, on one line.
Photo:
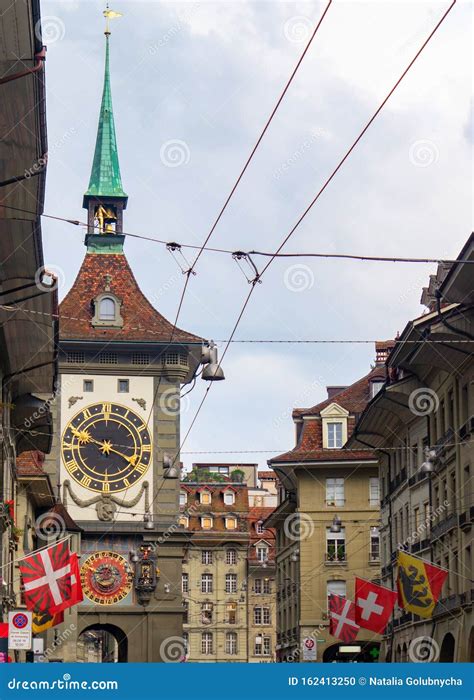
{"points": [[382, 351], [333, 390]]}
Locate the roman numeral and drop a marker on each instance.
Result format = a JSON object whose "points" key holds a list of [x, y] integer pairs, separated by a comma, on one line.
{"points": [[146, 448], [106, 487], [86, 413], [67, 445], [86, 480], [126, 482], [141, 468], [70, 465], [141, 428]]}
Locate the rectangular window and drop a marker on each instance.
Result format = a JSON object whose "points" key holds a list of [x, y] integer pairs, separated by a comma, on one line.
{"points": [[231, 610], [123, 386], [206, 522], [231, 643], [374, 544], [183, 498], [206, 583], [185, 612], [231, 557], [206, 556], [374, 491], [334, 435], [262, 645], [205, 497], [185, 583], [229, 498], [262, 553], [231, 583], [335, 492], [267, 586], [335, 545], [231, 523], [206, 613], [259, 528], [261, 616], [258, 587], [206, 643], [336, 588], [88, 385]]}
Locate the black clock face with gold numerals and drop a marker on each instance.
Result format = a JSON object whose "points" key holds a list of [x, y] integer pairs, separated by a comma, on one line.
{"points": [[106, 447]]}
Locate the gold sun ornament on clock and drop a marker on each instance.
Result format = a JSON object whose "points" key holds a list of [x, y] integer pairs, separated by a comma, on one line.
{"points": [[106, 448]]}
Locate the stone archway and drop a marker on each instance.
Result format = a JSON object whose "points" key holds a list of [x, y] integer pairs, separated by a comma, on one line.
{"points": [[103, 643], [446, 654]]}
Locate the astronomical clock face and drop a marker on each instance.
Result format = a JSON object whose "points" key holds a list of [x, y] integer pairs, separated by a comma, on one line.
{"points": [[106, 447], [106, 578]]}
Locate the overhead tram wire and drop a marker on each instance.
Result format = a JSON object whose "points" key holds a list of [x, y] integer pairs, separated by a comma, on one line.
{"points": [[189, 273], [268, 254], [310, 206]]}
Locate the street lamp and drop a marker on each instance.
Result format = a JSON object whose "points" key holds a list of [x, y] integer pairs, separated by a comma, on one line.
{"points": [[212, 371]]}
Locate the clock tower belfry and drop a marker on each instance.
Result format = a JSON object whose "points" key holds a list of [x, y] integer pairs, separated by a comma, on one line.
{"points": [[117, 423]]}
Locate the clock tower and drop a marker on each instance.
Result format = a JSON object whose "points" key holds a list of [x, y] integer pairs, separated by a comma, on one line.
{"points": [[122, 365]]}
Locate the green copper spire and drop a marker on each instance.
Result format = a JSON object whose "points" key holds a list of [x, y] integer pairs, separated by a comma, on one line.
{"points": [[105, 180]]}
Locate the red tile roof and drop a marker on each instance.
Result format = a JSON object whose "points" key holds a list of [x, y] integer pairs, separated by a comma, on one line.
{"points": [[269, 474], [310, 446], [141, 321], [354, 399], [30, 463]]}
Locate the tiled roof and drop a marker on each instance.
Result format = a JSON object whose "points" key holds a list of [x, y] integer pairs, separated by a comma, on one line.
{"points": [[57, 514], [30, 463], [299, 454], [269, 474], [353, 399], [141, 321]]}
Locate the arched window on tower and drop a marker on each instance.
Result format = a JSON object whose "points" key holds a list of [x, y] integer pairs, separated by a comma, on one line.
{"points": [[107, 311]]}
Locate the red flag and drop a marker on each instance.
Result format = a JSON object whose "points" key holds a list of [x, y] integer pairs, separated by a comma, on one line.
{"points": [[46, 577], [342, 622], [374, 605], [77, 595]]}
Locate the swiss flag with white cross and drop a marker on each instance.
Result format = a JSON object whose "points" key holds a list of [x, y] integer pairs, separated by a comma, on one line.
{"points": [[374, 605]]}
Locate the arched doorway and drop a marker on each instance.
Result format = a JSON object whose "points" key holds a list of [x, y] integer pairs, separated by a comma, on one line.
{"points": [[446, 654], [102, 644]]}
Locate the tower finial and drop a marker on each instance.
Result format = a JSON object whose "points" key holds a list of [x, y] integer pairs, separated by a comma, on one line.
{"points": [[109, 14]]}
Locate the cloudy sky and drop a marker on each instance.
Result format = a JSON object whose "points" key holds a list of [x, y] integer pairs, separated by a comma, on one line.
{"points": [[193, 84]]}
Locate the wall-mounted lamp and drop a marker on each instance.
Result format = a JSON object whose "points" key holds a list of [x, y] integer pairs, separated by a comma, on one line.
{"points": [[336, 524], [148, 521], [212, 371]]}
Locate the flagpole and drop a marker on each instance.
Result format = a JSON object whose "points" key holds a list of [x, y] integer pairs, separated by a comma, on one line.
{"points": [[40, 549]]}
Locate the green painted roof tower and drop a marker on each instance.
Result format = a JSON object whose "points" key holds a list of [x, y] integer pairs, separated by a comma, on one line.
{"points": [[105, 180]]}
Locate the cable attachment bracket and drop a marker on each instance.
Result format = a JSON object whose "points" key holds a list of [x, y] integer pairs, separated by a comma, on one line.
{"points": [[239, 255], [177, 254]]}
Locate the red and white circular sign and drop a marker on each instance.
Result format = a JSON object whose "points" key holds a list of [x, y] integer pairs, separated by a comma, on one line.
{"points": [[20, 621]]}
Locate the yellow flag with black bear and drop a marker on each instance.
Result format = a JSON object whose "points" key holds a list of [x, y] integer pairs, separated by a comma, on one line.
{"points": [[419, 584], [43, 621]]}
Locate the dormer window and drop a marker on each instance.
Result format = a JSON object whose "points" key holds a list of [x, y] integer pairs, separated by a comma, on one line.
{"points": [[334, 435], [229, 497], [334, 420], [205, 497], [107, 310]]}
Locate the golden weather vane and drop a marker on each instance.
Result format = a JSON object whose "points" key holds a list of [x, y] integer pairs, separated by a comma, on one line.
{"points": [[110, 14]]}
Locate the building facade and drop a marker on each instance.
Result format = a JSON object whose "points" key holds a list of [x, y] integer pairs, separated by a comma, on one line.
{"points": [[421, 424], [116, 434], [28, 293], [327, 523]]}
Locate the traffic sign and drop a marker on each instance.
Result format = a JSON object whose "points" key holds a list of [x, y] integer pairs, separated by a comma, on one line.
{"points": [[19, 629]]}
